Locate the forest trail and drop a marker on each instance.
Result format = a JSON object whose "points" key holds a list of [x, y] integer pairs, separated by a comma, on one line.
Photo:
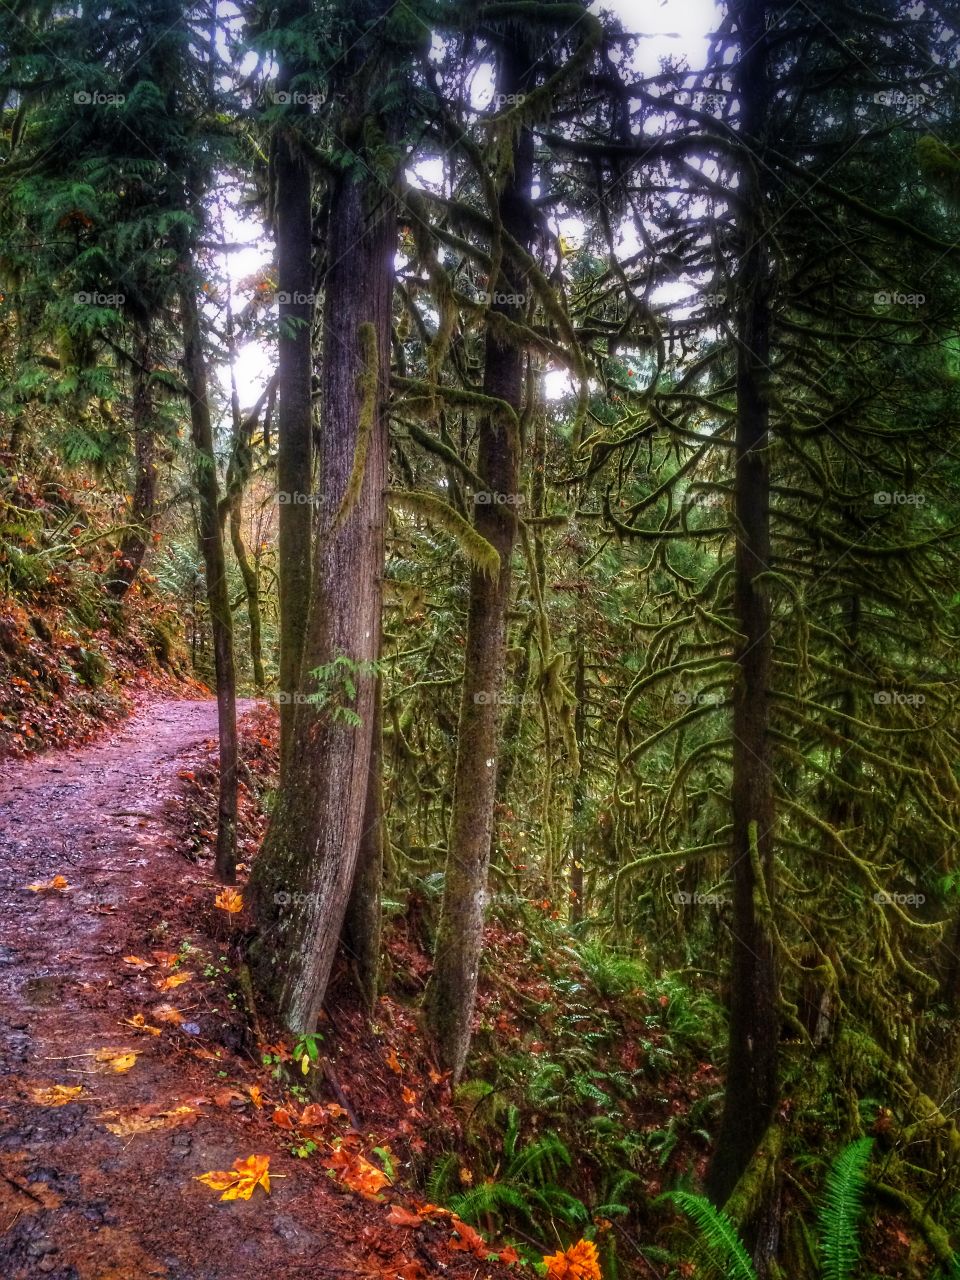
{"points": [[77, 1200]]}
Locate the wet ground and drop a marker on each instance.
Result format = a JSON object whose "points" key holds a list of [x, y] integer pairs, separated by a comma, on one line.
{"points": [[82, 1201]]}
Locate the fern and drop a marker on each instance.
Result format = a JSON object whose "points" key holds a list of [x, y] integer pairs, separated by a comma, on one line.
{"points": [[841, 1206], [441, 1177], [718, 1235], [489, 1197]]}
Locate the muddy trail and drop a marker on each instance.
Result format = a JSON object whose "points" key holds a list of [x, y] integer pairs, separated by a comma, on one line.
{"points": [[99, 1156]]}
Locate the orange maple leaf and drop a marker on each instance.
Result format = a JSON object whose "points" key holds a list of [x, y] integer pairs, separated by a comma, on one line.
{"points": [[357, 1173], [579, 1262], [229, 899], [41, 886], [470, 1241], [401, 1217], [174, 980], [240, 1182]]}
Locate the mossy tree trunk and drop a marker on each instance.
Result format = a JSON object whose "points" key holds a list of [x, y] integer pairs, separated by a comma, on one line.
{"points": [[214, 560], [451, 991], [294, 230], [362, 925], [752, 1073], [303, 878]]}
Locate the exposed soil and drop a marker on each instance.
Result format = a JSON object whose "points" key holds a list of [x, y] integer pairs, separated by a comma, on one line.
{"points": [[77, 1201]]}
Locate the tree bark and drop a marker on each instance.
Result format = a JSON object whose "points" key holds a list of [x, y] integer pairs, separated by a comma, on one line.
{"points": [[294, 230], [211, 546], [304, 875], [451, 991], [362, 925], [752, 1076]]}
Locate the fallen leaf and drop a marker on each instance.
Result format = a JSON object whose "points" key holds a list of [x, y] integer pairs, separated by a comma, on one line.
{"points": [[139, 1023], [166, 958], [470, 1241], [127, 1126], [118, 1062], [54, 1095], [137, 963], [226, 1097], [357, 1173], [256, 1095], [392, 1061], [282, 1118], [229, 899], [509, 1254], [579, 1262], [401, 1217], [167, 1013], [174, 980], [58, 883], [240, 1182]]}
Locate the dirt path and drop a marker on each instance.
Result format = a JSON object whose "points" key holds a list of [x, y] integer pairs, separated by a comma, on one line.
{"points": [[77, 1201], [80, 1200]]}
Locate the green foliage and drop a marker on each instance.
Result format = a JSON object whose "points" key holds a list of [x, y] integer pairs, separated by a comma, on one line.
{"points": [[722, 1246], [841, 1208], [337, 684]]}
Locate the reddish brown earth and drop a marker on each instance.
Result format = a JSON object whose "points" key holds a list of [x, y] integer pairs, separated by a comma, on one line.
{"points": [[78, 1202]]}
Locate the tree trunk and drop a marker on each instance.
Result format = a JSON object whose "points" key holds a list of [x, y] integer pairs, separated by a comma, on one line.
{"points": [[314, 841], [251, 586], [578, 842], [218, 599], [135, 541], [451, 991], [752, 1078], [294, 229], [360, 938]]}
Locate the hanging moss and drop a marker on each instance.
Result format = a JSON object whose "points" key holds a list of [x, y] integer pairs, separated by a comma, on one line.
{"points": [[434, 510]]}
